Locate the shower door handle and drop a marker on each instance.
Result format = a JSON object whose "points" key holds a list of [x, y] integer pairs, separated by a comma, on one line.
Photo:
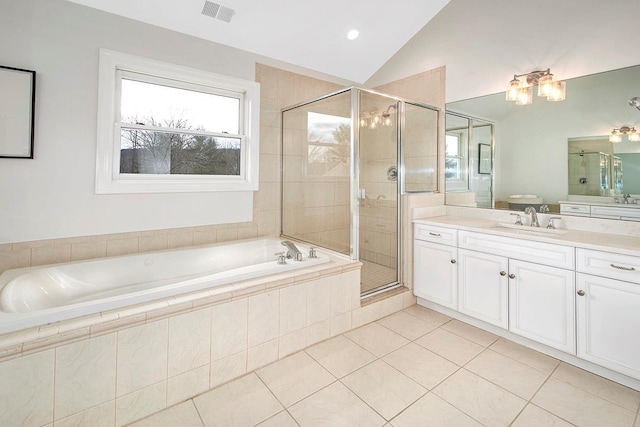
{"points": [[361, 194]]}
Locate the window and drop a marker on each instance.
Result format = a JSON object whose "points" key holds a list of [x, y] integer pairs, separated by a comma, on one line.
{"points": [[168, 128], [455, 161], [329, 139]]}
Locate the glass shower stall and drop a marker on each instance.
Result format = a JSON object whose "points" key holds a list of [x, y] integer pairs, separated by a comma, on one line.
{"points": [[346, 159]]}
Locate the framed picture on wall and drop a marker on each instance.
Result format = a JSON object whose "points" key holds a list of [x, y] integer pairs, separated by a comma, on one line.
{"points": [[17, 109], [484, 160]]}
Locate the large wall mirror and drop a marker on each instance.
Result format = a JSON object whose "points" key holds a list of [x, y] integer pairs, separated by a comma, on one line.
{"points": [[549, 152]]}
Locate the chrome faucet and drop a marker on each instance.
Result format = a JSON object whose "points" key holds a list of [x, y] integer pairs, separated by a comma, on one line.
{"points": [[292, 251], [626, 198], [534, 217]]}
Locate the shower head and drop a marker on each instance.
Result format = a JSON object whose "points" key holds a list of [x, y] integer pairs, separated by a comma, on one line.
{"points": [[635, 102]]}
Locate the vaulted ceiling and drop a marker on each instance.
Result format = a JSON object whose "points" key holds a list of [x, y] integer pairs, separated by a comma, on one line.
{"points": [[304, 33]]}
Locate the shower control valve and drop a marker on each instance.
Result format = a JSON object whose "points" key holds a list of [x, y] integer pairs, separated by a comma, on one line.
{"points": [[282, 257], [312, 252]]}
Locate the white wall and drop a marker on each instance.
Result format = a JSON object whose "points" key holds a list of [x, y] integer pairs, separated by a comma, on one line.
{"points": [[53, 195], [484, 43]]}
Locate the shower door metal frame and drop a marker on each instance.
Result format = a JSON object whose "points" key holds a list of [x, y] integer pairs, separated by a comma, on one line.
{"points": [[470, 129], [354, 244]]}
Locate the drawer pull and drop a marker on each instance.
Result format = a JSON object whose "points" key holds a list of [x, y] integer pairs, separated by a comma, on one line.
{"points": [[619, 267], [453, 261], [503, 273], [434, 234], [512, 276], [581, 293]]}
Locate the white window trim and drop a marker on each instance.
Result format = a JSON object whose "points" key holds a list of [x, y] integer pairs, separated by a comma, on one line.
{"points": [[108, 177]]}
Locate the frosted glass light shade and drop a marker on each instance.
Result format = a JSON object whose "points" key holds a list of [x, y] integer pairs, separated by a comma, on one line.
{"points": [[634, 135], [558, 91], [525, 96], [545, 85], [513, 88], [615, 137]]}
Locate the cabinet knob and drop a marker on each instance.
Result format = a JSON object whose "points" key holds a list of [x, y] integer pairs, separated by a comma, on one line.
{"points": [[453, 261], [512, 276], [503, 273], [581, 292]]}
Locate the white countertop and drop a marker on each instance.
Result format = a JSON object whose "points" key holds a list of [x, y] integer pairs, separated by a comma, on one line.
{"points": [[616, 243]]}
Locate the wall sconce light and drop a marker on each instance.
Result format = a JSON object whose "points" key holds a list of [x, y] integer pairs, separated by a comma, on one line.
{"points": [[522, 93], [616, 134], [373, 119]]}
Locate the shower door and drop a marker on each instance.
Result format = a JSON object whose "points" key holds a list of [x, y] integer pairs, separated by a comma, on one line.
{"points": [[377, 191], [316, 175]]}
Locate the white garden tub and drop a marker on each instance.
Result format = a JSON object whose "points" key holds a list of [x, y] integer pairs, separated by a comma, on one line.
{"points": [[39, 295]]}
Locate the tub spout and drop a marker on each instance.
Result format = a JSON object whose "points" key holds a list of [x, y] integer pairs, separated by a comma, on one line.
{"points": [[292, 251]]}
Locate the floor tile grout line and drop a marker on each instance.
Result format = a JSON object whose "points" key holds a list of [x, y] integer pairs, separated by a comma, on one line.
{"points": [[276, 397], [363, 401], [193, 402], [512, 358], [587, 391], [468, 339]]}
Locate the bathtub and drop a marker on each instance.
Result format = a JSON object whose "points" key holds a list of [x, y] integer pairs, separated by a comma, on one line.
{"points": [[39, 295]]}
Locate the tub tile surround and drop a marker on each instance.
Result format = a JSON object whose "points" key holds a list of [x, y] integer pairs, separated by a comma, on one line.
{"points": [[143, 360], [341, 382]]}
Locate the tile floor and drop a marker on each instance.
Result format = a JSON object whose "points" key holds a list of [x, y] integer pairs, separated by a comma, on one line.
{"points": [[373, 275], [413, 368]]}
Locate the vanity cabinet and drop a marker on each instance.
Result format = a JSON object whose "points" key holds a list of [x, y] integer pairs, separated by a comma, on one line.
{"points": [[583, 302], [435, 276], [529, 299], [483, 287], [608, 310], [542, 304]]}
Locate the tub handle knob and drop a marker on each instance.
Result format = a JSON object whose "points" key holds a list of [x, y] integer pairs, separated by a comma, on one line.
{"points": [[312, 252], [282, 257]]}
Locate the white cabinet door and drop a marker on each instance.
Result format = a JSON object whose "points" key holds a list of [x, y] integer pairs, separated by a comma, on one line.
{"points": [[483, 286], [608, 323], [542, 304], [435, 273]]}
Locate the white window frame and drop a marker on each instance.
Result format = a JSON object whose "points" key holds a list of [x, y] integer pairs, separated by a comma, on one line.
{"points": [[109, 180], [460, 181]]}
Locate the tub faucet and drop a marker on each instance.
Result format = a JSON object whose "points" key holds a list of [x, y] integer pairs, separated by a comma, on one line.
{"points": [[292, 251], [534, 217]]}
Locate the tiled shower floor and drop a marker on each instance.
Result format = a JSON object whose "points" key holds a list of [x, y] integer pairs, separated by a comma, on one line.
{"points": [[374, 275], [413, 368]]}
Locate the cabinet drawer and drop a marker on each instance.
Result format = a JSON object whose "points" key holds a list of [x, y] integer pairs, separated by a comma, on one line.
{"points": [[608, 264], [432, 233], [526, 250], [614, 212], [581, 210]]}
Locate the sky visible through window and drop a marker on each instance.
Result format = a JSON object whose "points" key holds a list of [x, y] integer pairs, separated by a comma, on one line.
{"points": [[204, 111], [321, 127]]}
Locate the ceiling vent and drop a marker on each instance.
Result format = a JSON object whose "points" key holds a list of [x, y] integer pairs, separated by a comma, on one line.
{"points": [[217, 11]]}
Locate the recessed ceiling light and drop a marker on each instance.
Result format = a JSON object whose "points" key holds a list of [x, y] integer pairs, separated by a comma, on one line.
{"points": [[353, 34]]}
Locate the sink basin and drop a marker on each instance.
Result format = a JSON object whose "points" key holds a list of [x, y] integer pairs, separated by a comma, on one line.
{"points": [[528, 229]]}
